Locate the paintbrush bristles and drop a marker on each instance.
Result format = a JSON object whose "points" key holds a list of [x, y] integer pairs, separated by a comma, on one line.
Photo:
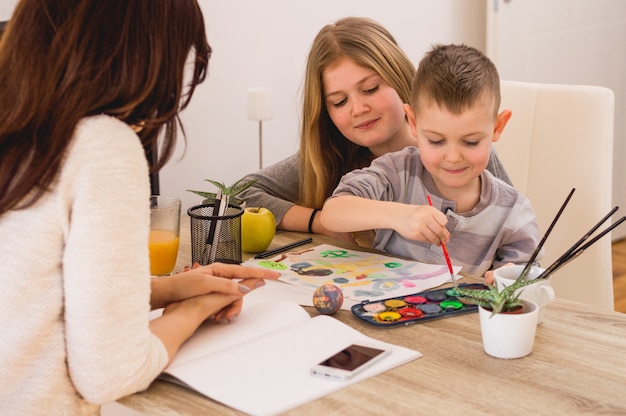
{"points": [[576, 250], [587, 235]]}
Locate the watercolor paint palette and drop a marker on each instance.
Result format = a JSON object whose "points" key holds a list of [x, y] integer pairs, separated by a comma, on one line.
{"points": [[415, 308]]}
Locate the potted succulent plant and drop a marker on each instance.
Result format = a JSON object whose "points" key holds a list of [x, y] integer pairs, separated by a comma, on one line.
{"points": [[508, 323]]}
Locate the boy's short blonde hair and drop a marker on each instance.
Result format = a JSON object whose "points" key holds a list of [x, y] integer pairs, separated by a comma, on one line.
{"points": [[455, 77]]}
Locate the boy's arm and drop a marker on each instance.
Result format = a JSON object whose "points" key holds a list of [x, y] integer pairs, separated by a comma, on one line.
{"points": [[349, 213], [521, 238]]}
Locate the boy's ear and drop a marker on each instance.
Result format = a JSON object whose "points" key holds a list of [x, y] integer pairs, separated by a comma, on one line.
{"points": [[501, 121], [410, 115]]}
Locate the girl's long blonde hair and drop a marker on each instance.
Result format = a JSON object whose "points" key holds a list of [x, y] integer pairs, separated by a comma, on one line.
{"points": [[325, 154]]}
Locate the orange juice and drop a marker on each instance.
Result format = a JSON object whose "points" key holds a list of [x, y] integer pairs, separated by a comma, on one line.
{"points": [[163, 246]]}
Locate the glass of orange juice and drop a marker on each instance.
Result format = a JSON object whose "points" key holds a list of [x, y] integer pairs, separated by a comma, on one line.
{"points": [[164, 234]]}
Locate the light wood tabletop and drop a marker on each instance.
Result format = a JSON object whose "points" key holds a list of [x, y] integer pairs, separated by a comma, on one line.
{"points": [[578, 366]]}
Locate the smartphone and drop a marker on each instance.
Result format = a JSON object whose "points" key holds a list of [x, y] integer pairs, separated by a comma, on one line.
{"points": [[349, 361]]}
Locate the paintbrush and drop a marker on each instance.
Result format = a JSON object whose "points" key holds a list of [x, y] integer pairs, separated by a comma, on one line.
{"points": [[545, 236], [445, 252], [223, 206], [220, 204]]}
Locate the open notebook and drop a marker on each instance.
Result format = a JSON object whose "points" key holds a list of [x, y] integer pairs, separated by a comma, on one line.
{"points": [[260, 364]]}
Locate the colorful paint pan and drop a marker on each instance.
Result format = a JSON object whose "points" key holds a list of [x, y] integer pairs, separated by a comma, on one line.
{"points": [[395, 304], [437, 296], [415, 300], [411, 312], [414, 308], [389, 316], [451, 304], [431, 308], [375, 307]]}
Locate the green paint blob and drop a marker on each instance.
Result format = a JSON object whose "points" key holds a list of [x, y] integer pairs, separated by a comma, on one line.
{"points": [[274, 265]]}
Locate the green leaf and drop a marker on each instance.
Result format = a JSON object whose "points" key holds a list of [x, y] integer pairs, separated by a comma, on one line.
{"points": [[205, 195], [491, 297], [235, 189], [220, 185]]}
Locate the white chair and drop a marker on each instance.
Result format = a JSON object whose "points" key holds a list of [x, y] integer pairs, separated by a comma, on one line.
{"points": [[561, 137]]}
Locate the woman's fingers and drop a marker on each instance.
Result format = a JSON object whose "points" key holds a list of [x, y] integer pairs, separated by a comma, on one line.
{"points": [[230, 312], [235, 271], [216, 277], [213, 284]]}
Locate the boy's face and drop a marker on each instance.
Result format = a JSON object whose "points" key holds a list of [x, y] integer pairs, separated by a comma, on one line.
{"points": [[455, 148]]}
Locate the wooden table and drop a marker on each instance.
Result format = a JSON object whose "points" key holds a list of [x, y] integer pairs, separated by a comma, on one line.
{"points": [[578, 366]]}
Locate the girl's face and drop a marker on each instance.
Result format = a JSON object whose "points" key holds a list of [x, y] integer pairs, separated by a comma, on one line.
{"points": [[365, 109]]}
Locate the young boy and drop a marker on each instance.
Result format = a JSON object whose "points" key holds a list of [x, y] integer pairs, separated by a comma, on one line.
{"points": [[485, 223]]}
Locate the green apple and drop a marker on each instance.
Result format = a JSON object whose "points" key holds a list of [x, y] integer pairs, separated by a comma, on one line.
{"points": [[258, 227]]}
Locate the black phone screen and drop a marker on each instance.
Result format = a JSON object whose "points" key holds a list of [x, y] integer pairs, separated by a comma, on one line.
{"points": [[352, 357]]}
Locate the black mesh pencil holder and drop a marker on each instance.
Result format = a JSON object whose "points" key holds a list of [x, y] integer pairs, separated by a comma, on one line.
{"points": [[215, 238]]}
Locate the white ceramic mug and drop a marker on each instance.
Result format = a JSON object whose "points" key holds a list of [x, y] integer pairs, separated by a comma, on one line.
{"points": [[540, 292]]}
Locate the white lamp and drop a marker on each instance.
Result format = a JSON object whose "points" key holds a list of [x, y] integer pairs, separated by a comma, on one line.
{"points": [[260, 109]]}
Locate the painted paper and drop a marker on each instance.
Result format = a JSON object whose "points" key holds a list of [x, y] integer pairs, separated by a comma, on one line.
{"points": [[360, 275]]}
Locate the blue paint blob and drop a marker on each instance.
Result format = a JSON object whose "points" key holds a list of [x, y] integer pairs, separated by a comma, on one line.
{"points": [[367, 293], [430, 308]]}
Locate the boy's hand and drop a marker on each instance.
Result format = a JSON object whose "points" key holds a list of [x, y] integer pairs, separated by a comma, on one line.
{"points": [[423, 223], [489, 275]]}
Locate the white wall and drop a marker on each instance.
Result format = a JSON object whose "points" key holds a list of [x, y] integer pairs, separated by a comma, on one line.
{"points": [[265, 43], [566, 42], [6, 9]]}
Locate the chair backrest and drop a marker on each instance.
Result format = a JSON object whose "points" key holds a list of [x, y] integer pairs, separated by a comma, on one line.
{"points": [[561, 137]]}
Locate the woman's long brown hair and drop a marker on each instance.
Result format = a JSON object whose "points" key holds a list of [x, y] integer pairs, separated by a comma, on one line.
{"points": [[62, 60]]}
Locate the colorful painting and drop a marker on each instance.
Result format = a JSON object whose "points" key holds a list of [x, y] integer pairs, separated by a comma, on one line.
{"points": [[360, 275]]}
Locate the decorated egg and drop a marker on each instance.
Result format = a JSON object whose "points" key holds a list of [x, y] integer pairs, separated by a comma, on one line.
{"points": [[327, 299]]}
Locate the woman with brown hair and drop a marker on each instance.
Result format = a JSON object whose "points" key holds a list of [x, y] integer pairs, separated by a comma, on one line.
{"points": [[87, 85]]}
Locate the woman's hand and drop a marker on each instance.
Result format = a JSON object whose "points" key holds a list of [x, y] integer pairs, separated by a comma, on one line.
{"points": [[222, 307], [191, 297], [214, 278]]}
